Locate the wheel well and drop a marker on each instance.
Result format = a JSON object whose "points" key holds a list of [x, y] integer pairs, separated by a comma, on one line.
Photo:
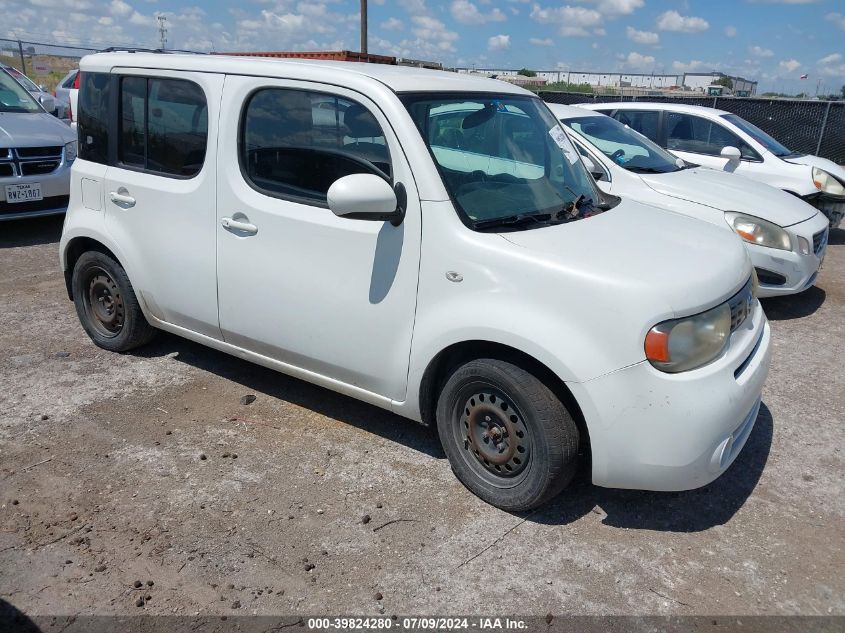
{"points": [[442, 366], [75, 248]]}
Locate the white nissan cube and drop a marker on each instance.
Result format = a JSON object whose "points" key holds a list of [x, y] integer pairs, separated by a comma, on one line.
{"points": [[427, 242]]}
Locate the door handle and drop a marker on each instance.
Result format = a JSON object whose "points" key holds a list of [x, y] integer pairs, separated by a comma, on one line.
{"points": [[122, 199], [236, 225]]}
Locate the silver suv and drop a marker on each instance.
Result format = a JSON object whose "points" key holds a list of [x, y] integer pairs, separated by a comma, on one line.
{"points": [[36, 152]]}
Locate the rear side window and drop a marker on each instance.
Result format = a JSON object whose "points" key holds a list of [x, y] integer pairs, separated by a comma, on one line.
{"points": [[296, 143], [162, 125], [688, 133], [643, 121], [68, 82], [93, 117]]}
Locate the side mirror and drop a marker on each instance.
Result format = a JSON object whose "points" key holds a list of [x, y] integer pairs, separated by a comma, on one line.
{"points": [[731, 153], [42, 87], [594, 169], [366, 197]]}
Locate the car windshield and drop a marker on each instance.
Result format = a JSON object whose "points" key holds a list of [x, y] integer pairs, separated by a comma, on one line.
{"points": [[759, 135], [13, 97], [25, 81], [624, 146], [504, 159]]}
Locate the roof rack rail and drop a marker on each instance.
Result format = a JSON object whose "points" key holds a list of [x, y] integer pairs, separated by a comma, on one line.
{"points": [[135, 49]]}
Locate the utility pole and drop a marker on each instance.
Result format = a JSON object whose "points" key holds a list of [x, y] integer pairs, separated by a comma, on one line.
{"points": [[364, 27], [162, 31]]}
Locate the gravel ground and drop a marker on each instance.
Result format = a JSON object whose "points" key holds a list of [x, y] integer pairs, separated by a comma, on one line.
{"points": [[147, 468]]}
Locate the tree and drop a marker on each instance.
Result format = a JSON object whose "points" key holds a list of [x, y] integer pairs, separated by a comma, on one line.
{"points": [[526, 73], [727, 82]]}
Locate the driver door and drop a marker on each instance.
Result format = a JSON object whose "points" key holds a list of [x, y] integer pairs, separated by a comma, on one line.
{"points": [[330, 296]]}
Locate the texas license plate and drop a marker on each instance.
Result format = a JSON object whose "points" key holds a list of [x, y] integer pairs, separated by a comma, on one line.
{"points": [[23, 193]]}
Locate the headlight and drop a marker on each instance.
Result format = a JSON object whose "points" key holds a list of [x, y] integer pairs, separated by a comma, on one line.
{"points": [[684, 344], [827, 183], [759, 231], [70, 151]]}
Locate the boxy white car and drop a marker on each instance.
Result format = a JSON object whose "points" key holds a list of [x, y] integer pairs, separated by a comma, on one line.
{"points": [[721, 140], [433, 245], [785, 236]]}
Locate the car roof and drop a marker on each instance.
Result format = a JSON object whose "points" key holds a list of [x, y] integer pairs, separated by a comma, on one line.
{"points": [[562, 111], [397, 78], [651, 105]]}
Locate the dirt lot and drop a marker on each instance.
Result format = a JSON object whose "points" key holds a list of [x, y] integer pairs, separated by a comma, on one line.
{"points": [[147, 467]]}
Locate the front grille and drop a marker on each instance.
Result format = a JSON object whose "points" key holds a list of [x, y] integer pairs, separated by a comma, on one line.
{"points": [[38, 167], [6, 170], [819, 241], [741, 304], [53, 151], [769, 277], [55, 202]]}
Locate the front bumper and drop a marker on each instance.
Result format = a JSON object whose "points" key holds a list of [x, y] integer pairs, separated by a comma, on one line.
{"points": [[651, 430], [789, 272], [55, 189], [832, 206]]}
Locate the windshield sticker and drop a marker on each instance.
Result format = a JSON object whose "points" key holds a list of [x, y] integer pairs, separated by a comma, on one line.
{"points": [[563, 142]]}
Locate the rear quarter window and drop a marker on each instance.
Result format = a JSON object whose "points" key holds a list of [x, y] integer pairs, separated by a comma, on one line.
{"points": [[93, 117]]}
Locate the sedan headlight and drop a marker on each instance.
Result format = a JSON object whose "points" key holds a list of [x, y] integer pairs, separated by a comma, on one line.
{"points": [[759, 231], [70, 151], [827, 183], [684, 344]]}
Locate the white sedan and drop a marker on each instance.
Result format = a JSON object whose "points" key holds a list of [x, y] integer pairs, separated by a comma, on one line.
{"points": [[721, 140], [785, 236]]}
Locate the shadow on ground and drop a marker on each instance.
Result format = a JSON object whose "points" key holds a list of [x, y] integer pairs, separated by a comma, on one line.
{"points": [[11, 619], [836, 237], [794, 306], [691, 511], [31, 231]]}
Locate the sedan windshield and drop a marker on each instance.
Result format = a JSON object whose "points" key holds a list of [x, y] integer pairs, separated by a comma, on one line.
{"points": [[504, 159], [13, 97], [759, 135], [23, 80], [624, 146]]}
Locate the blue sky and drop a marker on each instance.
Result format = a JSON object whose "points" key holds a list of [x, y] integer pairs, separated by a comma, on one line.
{"points": [[773, 41]]}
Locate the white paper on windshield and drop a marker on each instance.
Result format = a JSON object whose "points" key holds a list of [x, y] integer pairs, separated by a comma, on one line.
{"points": [[563, 142]]}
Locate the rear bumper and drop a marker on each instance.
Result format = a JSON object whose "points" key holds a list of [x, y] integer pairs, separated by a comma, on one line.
{"points": [[655, 431]]}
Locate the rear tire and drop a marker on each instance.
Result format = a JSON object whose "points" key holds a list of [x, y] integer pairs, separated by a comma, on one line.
{"points": [[509, 439], [106, 304]]}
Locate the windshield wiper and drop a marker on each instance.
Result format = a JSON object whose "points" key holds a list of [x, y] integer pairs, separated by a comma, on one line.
{"points": [[513, 220], [647, 170]]}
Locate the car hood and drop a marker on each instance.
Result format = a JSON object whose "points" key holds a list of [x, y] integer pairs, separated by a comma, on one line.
{"points": [[822, 163], [729, 192], [19, 129], [668, 258]]}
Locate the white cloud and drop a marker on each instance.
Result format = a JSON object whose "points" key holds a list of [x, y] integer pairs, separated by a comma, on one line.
{"points": [[392, 24], [758, 51], [499, 43], [674, 21], [789, 65], [642, 37], [836, 18], [636, 61], [831, 59], [730, 31], [573, 21], [120, 8], [615, 8], [693, 66], [541, 42], [466, 12]]}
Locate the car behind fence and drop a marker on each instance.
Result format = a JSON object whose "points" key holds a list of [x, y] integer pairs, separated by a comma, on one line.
{"points": [[810, 127]]}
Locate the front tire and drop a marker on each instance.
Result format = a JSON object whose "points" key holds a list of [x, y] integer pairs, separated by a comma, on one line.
{"points": [[106, 304], [509, 439]]}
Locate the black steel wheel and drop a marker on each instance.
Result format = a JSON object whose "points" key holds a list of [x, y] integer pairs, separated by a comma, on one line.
{"points": [[508, 438], [106, 304]]}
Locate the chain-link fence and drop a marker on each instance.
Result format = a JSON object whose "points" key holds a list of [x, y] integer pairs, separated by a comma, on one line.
{"points": [[45, 64], [810, 127]]}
